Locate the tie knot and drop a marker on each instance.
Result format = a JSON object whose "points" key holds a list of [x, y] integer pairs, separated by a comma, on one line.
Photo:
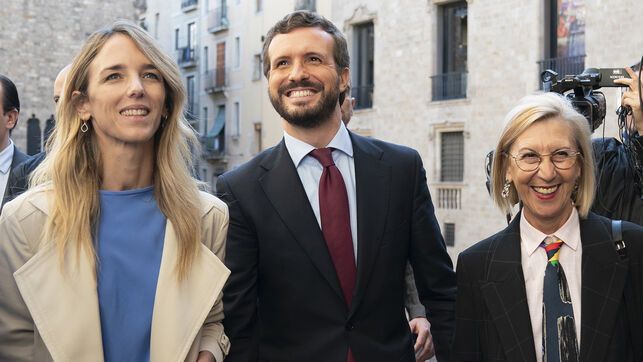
{"points": [[323, 155], [552, 245]]}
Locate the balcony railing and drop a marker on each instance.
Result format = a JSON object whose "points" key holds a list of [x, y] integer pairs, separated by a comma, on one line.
{"points": [[218, 20], [449, 197], [186, 56], [363, 96], [187, 5], [449, 86], [216, 80], [562, 65], [213, 148]]}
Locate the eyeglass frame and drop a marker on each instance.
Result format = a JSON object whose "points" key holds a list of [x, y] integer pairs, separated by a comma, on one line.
{"points": [[573, 155]]}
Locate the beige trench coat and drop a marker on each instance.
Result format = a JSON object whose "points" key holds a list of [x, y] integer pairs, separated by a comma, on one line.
{"points": [[51, 314]]}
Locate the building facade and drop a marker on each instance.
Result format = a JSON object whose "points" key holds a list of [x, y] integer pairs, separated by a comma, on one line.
{"points": [[37, 39], [218, 47], [440, 75]]}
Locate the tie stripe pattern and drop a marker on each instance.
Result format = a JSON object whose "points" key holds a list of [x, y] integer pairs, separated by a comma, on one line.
{"points": [[559, 330]]}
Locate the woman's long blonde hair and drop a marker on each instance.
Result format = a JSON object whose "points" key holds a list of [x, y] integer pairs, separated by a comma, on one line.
{"points": [[73, 163]]}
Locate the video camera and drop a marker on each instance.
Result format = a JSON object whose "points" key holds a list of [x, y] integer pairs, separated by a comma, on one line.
{"points": [[585, 99]]}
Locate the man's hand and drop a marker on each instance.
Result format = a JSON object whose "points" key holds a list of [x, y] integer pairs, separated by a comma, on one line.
{"points": [[205, 356], [631, 98], [424, 343]]}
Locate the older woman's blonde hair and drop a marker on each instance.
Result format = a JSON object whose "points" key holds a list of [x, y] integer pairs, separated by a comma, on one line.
{"points": [[73, 163], [536, 108]]}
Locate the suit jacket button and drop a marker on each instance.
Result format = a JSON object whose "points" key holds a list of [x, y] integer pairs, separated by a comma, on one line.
{"points": [[350, 326]]}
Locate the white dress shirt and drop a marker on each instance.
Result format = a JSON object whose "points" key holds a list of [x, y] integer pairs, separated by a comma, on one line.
{"points": [[534, 262], [6, 157], [310, 171]]}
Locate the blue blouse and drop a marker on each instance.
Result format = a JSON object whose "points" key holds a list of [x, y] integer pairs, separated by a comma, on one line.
{"points": [[129, 239]]}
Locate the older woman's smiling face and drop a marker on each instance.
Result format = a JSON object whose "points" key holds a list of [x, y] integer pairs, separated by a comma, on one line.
{"points": [[545, 192]]}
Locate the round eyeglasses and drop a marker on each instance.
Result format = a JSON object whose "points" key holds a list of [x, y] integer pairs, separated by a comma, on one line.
{"points": [[529, 161]]}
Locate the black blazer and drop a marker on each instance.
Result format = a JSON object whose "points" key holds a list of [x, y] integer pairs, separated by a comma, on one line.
{"points": [[283, 301], [18, 158], [492, 316]]}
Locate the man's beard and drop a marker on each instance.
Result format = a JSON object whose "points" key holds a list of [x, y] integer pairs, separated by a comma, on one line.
{"points": [[306, 117]]}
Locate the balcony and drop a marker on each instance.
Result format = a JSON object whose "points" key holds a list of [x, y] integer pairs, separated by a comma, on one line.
{"points": [[213, 147], [186, 56], [140, 5], [363, 96], [218, 20], [449, 86], [563, 65], [449, 197], [188, 5], [216, 80], [192, 114]]}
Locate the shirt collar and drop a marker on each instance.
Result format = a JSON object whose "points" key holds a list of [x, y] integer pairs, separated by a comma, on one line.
{"points": [[569, 233], [6, 156], [299, 149]]}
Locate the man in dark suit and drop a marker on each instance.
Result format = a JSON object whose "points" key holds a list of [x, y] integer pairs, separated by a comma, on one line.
{"points": [[19, 178], [10, 156], [323, 224]]}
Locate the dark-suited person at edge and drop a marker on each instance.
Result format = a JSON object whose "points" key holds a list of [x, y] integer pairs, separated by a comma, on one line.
{"points": [[556, 284], [323, 224]]}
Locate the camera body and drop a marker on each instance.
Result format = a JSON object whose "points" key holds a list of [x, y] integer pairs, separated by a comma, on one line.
{"points": [[585, 98]]}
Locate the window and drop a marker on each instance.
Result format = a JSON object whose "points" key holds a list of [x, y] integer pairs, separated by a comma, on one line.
{"points": [[190, 90], [191, 35], [259, 5], [219, 140], [449, 233], [451, 80], [237, 52], [451, 156], [256, 67], [206, 63], [156, 25], [204, 175], [204, 119], [363, 77], [220, 77], [34, 137], [564, 37], [305, 5], [257, 137], [237, 119], [176, 38]]}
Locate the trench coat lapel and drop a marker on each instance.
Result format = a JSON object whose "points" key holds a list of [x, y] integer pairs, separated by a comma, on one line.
{"points": [[506, 298], [282, 186], [603, 277], [180, 308], [372, 183], [63, 302]]}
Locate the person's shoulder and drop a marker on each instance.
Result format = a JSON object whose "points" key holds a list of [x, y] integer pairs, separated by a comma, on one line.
{"points": [[252, 166], [384, 145], [33, 201], [211, 204], [489, 244]]}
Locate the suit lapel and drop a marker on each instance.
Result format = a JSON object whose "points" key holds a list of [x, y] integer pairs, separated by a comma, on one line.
{"points": [[505, 295], [603, 279], [63, 304], [180, 308], [283, 188], [372, 180]]}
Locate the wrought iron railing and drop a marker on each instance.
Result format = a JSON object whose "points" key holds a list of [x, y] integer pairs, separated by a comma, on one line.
{"points": [[218, 19], [188, 4], [186, 56], [449, 86], [363, 96], [215, 80]]}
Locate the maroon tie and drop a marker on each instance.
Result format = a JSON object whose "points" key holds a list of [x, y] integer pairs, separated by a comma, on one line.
{"points": [[336, 224], [335, 221]]}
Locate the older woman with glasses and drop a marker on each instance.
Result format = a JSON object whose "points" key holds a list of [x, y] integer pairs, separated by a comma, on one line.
{"points": [[552, 285]]}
